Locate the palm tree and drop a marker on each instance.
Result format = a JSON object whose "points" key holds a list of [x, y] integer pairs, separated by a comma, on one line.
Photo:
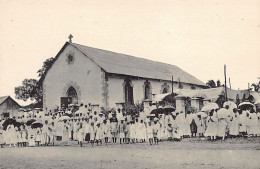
{"points": [[211, 84]]}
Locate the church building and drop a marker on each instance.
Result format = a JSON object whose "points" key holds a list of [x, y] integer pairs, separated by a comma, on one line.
{"points": [[82, 74]]}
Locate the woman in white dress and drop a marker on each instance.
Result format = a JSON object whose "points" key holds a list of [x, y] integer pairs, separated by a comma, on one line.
{"points": [[23, 136], [38, 135], [10, 135], [222, 124], [81, 134], [212, 128], [234, 124], [98, 131], [242, 120], [253, 123], [65, 133], [141, 132], [92, 133], [105, 131], [31, 137], [200, 125]]}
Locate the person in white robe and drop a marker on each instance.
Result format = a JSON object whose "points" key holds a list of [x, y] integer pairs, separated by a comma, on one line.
{"points": [[10, 135], [222, 125], [156, 128], [81, 134], [242, 119], [180, 120], [253, 124], [105, 131], [65, 133], [212, 127], [200, 125], [234, 124]]}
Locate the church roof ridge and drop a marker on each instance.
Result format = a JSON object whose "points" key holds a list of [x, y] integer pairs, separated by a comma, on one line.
{"points": [[118, 63]]}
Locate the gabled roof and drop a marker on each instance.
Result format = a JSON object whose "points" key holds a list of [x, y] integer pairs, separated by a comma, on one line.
{"points": [[122, 64], [4, 98]]}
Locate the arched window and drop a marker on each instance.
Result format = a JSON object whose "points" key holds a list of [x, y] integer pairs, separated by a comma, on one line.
{"points": [[73, 95], [128, 89], [165, 90], [147, 90]]}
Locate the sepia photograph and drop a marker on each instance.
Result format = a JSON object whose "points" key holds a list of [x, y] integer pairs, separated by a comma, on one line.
{"points": [[92, 84]]}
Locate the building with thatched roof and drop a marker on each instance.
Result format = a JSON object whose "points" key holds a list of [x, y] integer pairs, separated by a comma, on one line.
{"points": [[82, 74]]}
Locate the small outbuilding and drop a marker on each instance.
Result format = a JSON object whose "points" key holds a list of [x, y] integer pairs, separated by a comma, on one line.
{"points": [[8, 107]]}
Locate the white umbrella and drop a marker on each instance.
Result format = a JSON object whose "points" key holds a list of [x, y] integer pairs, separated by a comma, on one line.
{"points": [[245, 103], [202, 114], [64, 118], [230, 104], [210, 106]]}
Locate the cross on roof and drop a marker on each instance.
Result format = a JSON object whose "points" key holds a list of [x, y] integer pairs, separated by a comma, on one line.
{"points": [[70, 38]]}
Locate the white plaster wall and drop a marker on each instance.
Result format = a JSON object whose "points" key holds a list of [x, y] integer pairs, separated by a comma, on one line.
{"points": [[83, 73], [116, 95], [115, 91]]}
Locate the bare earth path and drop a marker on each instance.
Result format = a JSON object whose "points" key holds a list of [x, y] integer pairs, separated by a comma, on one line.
{"points": [[190, 153]]}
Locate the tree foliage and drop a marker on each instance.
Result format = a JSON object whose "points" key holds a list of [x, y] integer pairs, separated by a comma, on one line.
{"points": [[256, 86], [32, 88], [211, 84], [46, 65]]}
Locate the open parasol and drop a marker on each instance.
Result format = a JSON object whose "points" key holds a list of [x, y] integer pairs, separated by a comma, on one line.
{"points": [[245, 104], [230, 104], [202, 114], [210, 106], [64, 118], [36, 124], [168, 108], [29, 122], [157, 111], [7, 122]]}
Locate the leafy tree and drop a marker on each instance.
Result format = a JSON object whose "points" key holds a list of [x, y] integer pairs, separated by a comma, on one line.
{"points": [[218, 83], [211, 84], [32, 88], [256, 86], [46, 65]]}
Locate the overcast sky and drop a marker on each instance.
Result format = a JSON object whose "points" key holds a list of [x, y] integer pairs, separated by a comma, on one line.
{"points": [[198, 36]]}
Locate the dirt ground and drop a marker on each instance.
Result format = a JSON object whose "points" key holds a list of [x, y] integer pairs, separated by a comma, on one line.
{"points": [[189, 153]]}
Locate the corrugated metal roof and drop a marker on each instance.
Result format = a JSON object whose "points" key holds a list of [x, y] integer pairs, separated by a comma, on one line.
{"points": [[212, 93], [117, 63]]}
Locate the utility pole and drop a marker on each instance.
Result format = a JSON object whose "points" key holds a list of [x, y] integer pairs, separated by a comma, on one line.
{"points": [[229, 83], [225, 82], [172, 84]]}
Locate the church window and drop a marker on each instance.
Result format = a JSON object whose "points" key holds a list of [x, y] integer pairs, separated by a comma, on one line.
{"points": [[193, 87], [147, 90], [165, 90], [128, 91]]}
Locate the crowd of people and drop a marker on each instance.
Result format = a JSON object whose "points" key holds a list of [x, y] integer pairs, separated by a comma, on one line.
{"points": [[120, 127]]}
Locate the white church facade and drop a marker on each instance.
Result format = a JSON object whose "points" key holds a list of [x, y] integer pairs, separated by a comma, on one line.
{"points": [[104, 78]]}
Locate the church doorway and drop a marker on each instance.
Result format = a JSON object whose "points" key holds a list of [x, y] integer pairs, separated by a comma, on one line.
{"points": [[72, 94]]}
